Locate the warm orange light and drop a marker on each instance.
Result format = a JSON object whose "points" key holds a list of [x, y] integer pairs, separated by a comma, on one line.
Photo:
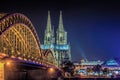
{"points": [[51, 70], [8, 63]]}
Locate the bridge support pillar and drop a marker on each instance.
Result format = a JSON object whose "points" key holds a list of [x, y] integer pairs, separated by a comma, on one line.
{"points": [[38, 74]]}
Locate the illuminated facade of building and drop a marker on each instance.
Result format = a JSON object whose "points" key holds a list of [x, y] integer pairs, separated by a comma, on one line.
{"points": [[112, 65], [57, 44]]}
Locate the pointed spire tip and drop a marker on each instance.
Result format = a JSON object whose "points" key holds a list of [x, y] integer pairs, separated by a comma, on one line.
{"points": [[48, 11], [60, 11]]}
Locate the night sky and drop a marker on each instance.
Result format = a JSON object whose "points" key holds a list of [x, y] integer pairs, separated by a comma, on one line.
{"points": [[93, 27]]}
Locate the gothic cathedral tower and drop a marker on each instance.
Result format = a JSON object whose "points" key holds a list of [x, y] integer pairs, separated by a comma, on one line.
{"points": [[62, 47], [58, 45], [49, 39], [49, 33]]}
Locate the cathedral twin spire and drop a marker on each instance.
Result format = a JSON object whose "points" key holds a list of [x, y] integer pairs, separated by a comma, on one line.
{"points": [[49, 32], [57, 44], [60, 26]]}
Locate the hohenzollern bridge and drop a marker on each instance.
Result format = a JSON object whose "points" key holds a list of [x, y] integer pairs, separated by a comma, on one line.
{"points": [[20, 45]]}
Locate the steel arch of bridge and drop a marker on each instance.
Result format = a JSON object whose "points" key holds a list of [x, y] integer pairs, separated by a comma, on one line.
{"points": [[18, 39]]}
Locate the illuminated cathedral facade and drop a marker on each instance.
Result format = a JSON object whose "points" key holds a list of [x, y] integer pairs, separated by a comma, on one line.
{"points": [[57, 43]]}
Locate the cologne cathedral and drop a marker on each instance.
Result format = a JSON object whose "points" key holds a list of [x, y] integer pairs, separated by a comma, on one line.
{"points": [[57, 43]]}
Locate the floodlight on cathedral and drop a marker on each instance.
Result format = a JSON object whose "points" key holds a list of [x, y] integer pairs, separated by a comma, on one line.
{"points": [[57, 44], [62, 47]]}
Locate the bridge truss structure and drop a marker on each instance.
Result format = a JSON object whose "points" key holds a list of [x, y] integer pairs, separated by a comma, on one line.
{"points": [[19, 40]]}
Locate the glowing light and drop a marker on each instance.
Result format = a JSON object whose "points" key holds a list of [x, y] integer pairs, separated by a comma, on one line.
{"points": [[81, 74], [2, 71], [51, 70], [112, 62], [13, 56], [116, 72], [20, 58], [62, 47], [1, 65], [8, 63]]}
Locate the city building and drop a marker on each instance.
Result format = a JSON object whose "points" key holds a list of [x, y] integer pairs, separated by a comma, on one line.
{"points": [[108, 68], [83, 65], [57, 43], [113, 65]]}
